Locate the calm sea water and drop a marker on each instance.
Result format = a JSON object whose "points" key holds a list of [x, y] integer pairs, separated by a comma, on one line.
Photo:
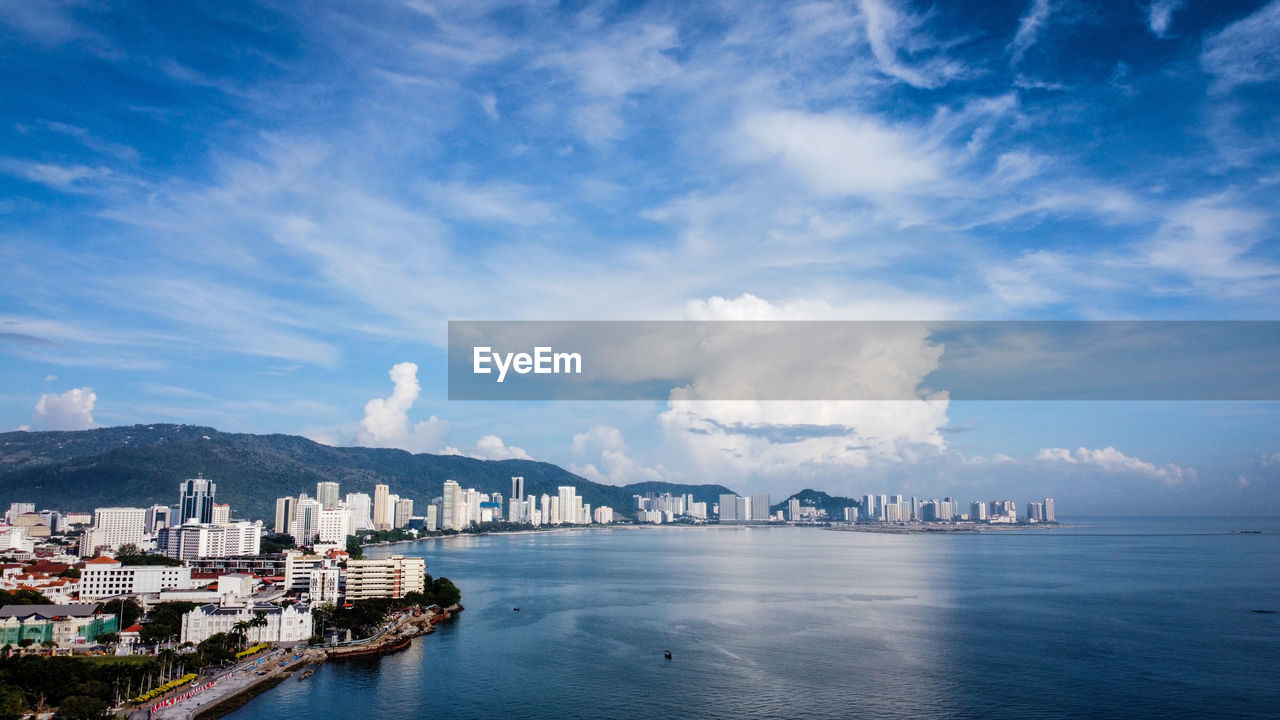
{"points": [[1135, 618]]}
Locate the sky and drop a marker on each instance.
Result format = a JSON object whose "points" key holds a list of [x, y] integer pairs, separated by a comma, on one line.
{"points": [[262, 216]]}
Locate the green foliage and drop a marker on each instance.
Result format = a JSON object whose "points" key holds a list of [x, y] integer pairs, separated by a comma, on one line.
{"points": [[83, 707], [13, 704], [444, 593], [30, 679], [129, 554], [219, 647], [23, 597], [71, 572], [165, 622], [276, 543], [353, 548], [108, 638]]}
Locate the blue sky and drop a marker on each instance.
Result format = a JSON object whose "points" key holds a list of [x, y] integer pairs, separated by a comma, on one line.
{"points": [[246, 215]]}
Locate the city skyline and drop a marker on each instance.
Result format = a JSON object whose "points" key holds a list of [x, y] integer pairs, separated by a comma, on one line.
{"points": [[267, 229]]}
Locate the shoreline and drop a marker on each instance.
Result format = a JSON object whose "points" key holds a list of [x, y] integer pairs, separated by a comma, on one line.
{"points": [[406, 629]]}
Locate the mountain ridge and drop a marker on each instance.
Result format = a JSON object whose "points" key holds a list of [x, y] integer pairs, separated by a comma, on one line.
{"points": [[142, 465]]}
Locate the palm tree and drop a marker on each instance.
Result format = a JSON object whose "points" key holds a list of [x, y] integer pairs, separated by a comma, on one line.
{"points": [[239, 630], [259, 621]]}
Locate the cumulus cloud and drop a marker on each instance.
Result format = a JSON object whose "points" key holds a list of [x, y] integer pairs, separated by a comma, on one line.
{"points": [[491, 447], [1112, 460], [611, 462], [752, 443], [1246, 51], [386, 420], [71, 410]]}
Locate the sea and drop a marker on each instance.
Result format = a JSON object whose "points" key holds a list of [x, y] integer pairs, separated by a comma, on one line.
{"points": [[1106, 618]]}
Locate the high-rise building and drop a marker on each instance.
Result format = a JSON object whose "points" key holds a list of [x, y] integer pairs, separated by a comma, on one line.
{"points": [[517, 487], [404, 511], [333, 525], [729, 508], [113, 527], [1049, 515], [603, 515], [977, 511], [221, 514], [327, 494], [158, 517], [306, 520], [383, 512], [869, 507], [793, 509], [17, 509], [285, 507], [432, 521], [451, 499], [196, 501], [744, 508], [360, 505], [760, 507], [568, 507]]}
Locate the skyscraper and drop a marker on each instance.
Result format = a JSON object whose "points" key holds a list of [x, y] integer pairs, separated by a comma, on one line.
{"points": [[517, 487], [793, 509], [1049, 516], [449, 506], [404, 511], [360, 505], [760, 507], [327, 494], [383, 513], [196, 500], [284, 514], [729, 508]]}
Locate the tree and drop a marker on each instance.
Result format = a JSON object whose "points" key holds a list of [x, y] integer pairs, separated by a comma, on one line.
{"points": [[13, 704], [26, 642], [109, 638], [82, 707], [353, 548], [48, 644], [165, 621], [445, 592], [128, 553]]}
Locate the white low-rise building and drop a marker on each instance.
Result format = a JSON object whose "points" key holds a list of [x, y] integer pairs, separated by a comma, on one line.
{"points": [[105, 577], [283, 624], [195, 540]]}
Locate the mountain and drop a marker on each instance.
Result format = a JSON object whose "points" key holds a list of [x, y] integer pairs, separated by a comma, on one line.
{"points": [[834, 505], [142, 465]]}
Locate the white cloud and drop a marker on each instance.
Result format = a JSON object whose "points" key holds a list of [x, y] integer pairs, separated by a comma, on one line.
{"points": [[891, 30], [1272, 459], [1160, 16], [1111, 460], [843, 154], [1030, 25], [60, 177], [612, 463], [754, 443], [386, 420], [1246, 51], [491, 447], [72, 410]]}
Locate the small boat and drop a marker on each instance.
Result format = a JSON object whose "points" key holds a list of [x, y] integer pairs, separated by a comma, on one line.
{"points": [[667, 654], [516, 609]]}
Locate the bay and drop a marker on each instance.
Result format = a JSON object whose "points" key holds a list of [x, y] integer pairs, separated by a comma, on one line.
{"points": [[1114, 617]]}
